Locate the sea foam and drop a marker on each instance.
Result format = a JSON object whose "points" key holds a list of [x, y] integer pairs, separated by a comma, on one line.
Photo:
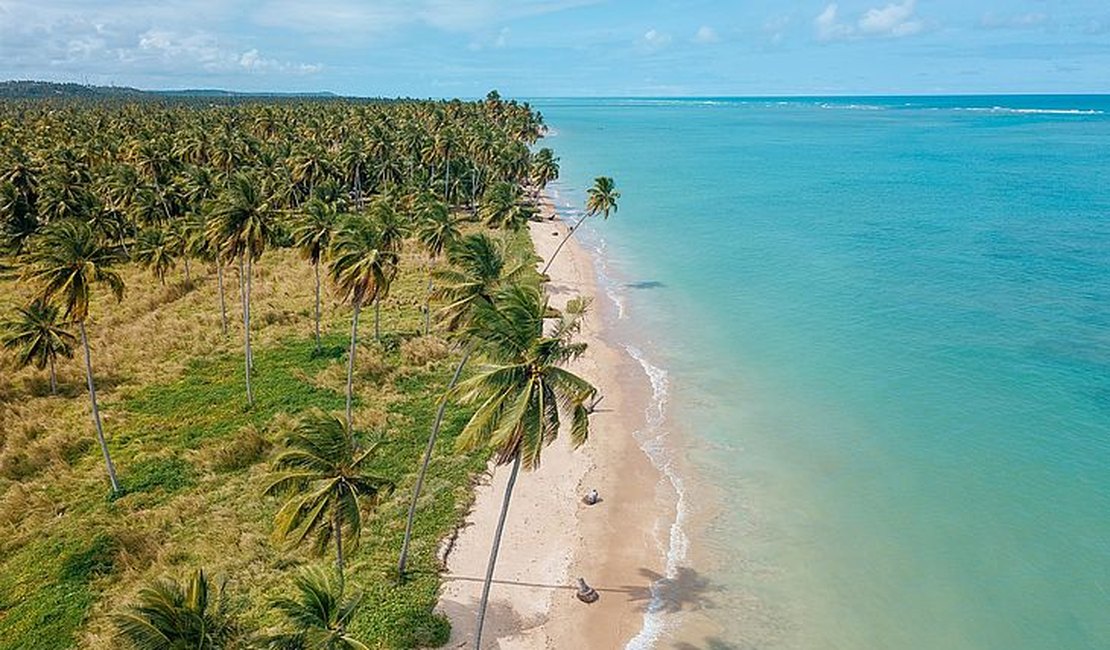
{"points": [[652, 439]]}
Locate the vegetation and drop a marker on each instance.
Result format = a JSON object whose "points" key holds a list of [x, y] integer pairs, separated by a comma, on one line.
{"points": [[96, 197], [39, 338], [521, 392]]}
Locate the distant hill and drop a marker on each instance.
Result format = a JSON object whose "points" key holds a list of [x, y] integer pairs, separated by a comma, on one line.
{"points": [[49, 89]]}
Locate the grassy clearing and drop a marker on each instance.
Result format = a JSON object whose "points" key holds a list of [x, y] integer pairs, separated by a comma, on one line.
{"points": [[194, 461]]}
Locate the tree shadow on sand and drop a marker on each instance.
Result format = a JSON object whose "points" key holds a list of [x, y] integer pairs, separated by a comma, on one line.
{"points": [[501, 621], [688, 590]]}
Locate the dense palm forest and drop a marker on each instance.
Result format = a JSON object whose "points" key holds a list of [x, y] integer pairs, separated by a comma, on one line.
{"points": [[236, 408]]}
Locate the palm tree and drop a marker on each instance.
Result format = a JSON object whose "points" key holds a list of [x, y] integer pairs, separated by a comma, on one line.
{"points": [[172, 616], [521, 393], [242, 225], [362, 268], [601, 199], [156, 250], [324, 469], [437, 230], [312, 235], [392, 230], [503, 207], [479, 266], [38, 338], [319, 616], [545, 168], [478, 269], [66, 264]]}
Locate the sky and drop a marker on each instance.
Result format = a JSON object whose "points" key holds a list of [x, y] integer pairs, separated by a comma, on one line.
{"points": [[559, 48]]}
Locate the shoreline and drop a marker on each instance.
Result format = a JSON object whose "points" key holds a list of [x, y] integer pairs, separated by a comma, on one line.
{"points": [[551, 537]]}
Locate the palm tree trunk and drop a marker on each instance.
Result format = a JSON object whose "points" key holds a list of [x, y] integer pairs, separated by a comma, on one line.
{"points": [[53, 378], [428, 306], [223, 302], [377, 319], [560, 246], [424, 465], [96, 411], [317, 265], [474, 189], [493, 552], [351, 361], [447, 181], [250, 350], [358, 186], [246, 331], [337, 530]]}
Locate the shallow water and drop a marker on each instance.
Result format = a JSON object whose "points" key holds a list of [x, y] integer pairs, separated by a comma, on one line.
{"points": [[885, 328]]}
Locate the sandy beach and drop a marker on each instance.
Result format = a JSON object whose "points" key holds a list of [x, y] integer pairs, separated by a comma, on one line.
{"points": [[551, 537]]}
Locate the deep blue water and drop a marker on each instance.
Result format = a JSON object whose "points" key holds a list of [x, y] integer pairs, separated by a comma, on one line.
{"points": [[886, 323]]}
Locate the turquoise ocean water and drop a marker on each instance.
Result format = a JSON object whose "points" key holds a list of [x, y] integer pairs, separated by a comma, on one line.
{"points": [[883, 328]]}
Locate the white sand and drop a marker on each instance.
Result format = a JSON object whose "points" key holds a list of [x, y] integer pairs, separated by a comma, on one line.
{"points": [[550, 536]]}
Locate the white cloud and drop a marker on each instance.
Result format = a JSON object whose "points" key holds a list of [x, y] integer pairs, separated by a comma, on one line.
{"points": [[654, 38], [892, 21], [379, 17], [173, 38], [828, 28], [706, 34], [991, 20], [775, 28]]}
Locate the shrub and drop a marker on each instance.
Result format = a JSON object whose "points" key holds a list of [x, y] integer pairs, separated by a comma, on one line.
{"points": [[171, 474], [242, 451], [96, 559], [423, 350]]}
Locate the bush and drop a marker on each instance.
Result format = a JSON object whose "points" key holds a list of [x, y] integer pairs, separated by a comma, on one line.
{"points": [[19, 466], [170, 474], [96, 559], [242, 451], [423, 350]]}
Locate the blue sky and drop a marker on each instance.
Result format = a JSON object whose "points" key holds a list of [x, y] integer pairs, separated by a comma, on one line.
{"points": [[534, 48]]}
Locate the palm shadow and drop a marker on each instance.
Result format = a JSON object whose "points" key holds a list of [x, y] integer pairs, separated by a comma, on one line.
{"points": [[501, 621], [688, 590]]}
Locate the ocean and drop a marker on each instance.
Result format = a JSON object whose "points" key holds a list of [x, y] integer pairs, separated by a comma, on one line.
{"points": [[878, 332]]}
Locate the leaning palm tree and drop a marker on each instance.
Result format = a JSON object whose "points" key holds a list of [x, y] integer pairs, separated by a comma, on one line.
{"points": [[479, 268], [362, 267], [38, 338], [66, 263], [172, 616], [521, 394], [323, 467], [318, 616], [601, 199], [243, 223], [312, 235]]}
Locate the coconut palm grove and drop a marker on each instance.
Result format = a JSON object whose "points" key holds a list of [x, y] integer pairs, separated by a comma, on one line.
{"points": [[256, 353]]}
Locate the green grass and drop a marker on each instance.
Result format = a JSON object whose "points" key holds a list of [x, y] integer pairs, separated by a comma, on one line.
{"points": [[166, 433], [193, 462]]}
